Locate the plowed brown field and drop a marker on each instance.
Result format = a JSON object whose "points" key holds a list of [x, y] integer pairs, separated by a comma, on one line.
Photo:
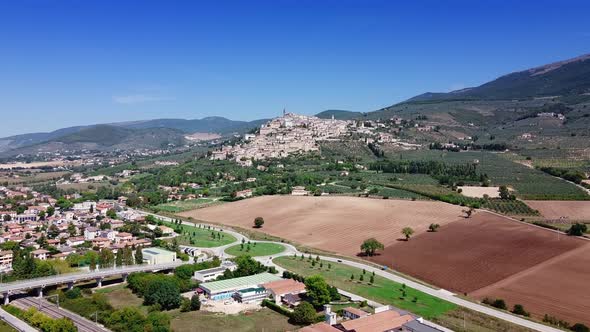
{"points": [[558, 287], [473, 253], [573, 210], [489, 255], [337, 224], [486, 255]]}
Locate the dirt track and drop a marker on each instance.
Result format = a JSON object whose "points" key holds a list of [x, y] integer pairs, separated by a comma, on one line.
{"points": [[337, 224], [473, 253], [557, 287]]}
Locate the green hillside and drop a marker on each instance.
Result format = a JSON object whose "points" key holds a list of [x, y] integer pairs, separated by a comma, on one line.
{"points": [[563, 78]]}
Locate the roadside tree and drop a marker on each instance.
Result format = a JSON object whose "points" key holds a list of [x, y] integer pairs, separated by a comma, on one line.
{"points": [[370, 246]]}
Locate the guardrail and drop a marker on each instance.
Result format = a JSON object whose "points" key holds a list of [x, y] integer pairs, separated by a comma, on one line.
{"points": [[72, 277]]}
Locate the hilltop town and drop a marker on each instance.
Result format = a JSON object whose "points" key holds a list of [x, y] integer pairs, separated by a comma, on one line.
{"points": [[280, 137], [293, 134]]}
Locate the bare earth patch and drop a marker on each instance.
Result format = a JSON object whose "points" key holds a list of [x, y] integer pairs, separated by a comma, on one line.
{"points": [[337, 224], [489, 255], [473, 253], [478, 192], [573, 210], [557, 287]]}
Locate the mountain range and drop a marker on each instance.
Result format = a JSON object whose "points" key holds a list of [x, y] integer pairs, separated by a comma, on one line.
{"points": [[123, 134], [563, 78], [508, 98]]}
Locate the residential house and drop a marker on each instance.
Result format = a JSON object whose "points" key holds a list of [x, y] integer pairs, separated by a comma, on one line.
{"points": [[41, 254], [244, 193], [90, 233], [6, 257], [280, 288]]}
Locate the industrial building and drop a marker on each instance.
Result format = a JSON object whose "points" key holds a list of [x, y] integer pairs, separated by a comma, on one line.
{"points": [[226, 289], [157, 256], [213, 273]]}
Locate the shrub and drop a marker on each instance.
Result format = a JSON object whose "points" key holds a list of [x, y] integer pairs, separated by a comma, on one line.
{"points": [[185, 271], [273, 306], [304, 314], [195, 302], [579, 327], [500, 304], [73, 293], [555, 321], [577, 229], [519, 310]]}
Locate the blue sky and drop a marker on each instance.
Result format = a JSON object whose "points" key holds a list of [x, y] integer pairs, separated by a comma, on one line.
{"points": [[65, 63]]}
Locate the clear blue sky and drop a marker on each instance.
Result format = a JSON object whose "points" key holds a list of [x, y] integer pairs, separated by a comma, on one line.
{"points": [[66, 63]]}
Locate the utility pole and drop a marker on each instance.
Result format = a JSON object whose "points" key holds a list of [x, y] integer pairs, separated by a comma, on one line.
{"points": [[56, 298]]}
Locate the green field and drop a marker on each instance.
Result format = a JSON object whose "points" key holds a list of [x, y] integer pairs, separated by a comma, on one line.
{"points": [[120, 296], [261, 320], [265, 319], [4, 327], [255, 249], [200, 236], [529, 183], [181, 206], [383, 290], [386, 291]]}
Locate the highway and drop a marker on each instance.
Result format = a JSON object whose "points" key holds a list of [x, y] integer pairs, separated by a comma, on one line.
{"points": [[14, 286], [439, 293], [51, 310]]}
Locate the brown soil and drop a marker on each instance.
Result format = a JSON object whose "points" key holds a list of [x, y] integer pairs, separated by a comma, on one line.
{"points": [[337, 224], [573, 210], [473, 253], [558, 287]]}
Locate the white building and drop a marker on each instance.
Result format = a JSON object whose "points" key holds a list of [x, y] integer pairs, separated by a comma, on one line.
{"points": [[157, 256], [213, 273]]}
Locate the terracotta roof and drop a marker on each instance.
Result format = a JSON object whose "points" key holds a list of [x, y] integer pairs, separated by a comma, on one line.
{"points": [[383, 321], [285, 286]]}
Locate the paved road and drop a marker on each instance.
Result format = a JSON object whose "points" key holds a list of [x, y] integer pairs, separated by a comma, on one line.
{"points": [[16, 323], [439, 293], [51, 310], [73, 277]]}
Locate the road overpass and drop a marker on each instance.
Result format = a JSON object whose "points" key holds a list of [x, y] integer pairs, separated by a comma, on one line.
{"points": [[6, 289]]}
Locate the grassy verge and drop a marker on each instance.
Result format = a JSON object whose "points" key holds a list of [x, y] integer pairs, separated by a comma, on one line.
{"points": [[120, 296], [386, 291], [197, 236], [255, 249], [253, 234], [465, 320], [260, 320], [382, 290], [181, 206], [4, 327]]}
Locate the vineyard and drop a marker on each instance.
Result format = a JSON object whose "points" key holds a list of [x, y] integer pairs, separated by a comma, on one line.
{"points": [[528, 183], [505, 206], [509, 207]]}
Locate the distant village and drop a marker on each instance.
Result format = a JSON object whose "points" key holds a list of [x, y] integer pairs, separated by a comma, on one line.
{"points": [[293, 134]]}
